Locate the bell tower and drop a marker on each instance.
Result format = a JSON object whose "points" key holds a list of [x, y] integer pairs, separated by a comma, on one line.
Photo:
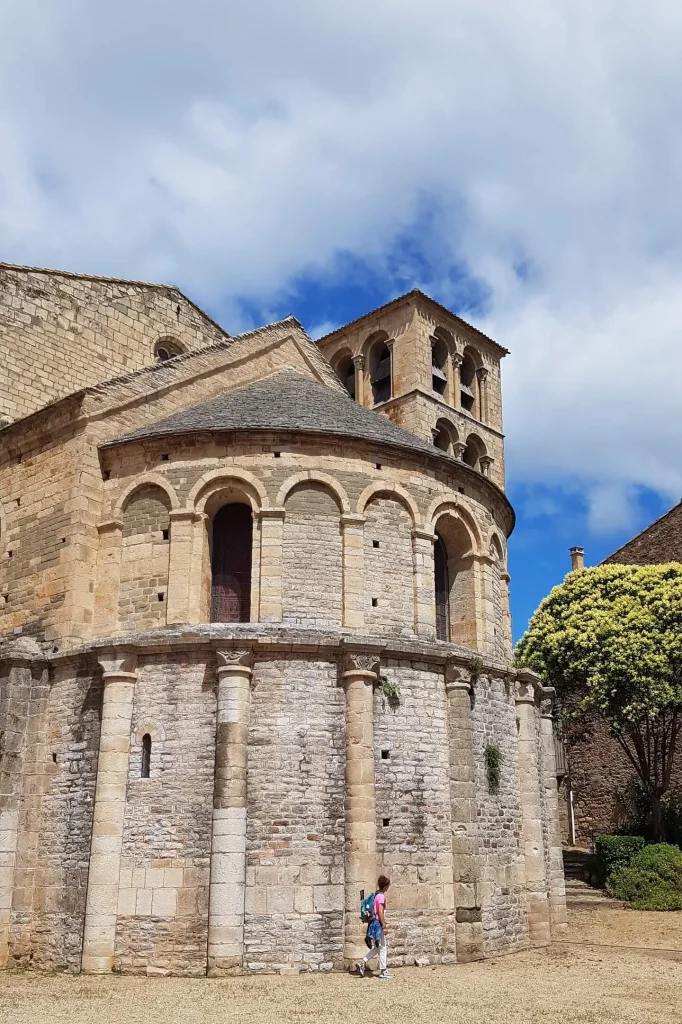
{"points": [[431, 373]]}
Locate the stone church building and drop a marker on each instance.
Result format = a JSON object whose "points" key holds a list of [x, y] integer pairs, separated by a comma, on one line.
{"points": [[255, 642]]}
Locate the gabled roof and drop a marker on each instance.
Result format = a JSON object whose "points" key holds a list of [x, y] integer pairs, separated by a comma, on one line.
{"points": [[416, 293], [282, 401], [73, 275], [656, 545]]}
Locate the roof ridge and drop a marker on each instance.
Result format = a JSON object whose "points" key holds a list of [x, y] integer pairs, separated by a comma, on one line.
{"points": [[422, 295], [86, 277], [95, 389]]}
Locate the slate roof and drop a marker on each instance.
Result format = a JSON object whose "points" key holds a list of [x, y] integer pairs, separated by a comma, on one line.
{"points": [[284, 401]]}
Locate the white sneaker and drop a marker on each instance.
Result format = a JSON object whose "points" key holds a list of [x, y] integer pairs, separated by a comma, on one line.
{"points": [[360, 968], [385, 976]]}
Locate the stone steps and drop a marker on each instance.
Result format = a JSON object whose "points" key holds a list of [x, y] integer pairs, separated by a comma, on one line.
{"points": [[581, 896]]}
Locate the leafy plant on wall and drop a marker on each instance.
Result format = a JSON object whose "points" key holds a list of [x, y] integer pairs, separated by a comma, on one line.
{"points": [[493, 766]]}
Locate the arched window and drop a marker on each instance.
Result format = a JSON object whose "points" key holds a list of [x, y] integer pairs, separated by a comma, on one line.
{"points": [[380, 372], [454, 578], [474, 452], [439, 362], [231, 546], [345, 371], [167, 348], [467, 383], [442, 590], [146, 756], [444, 435]]}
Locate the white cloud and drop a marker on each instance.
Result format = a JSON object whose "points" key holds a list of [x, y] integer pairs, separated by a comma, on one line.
{"points": [[234, 147]]}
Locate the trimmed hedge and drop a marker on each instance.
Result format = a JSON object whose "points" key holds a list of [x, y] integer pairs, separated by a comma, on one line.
{"points": [[652, 880], [615, 852]]}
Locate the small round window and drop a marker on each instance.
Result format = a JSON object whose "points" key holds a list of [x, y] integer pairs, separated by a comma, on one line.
{"points": [[167, 348]]}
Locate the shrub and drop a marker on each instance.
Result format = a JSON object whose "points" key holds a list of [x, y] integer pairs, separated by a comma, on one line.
{"points": [[614, 852], [493, 766], [652, 880]]}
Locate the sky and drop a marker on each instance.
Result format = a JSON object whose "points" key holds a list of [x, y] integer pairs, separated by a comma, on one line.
{"points": [[520, 161]]}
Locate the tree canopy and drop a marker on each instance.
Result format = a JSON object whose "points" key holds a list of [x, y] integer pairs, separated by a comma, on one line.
{"points": [[609, 639]]}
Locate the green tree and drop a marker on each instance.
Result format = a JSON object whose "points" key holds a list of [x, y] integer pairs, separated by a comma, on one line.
{"points": [[609, 639]]}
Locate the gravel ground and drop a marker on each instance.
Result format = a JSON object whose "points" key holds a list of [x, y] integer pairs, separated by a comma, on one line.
{"points": [[562, 984], [626, 927]]}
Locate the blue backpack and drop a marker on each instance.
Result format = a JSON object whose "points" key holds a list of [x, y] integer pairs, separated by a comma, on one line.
{"points": [[367, 908]]}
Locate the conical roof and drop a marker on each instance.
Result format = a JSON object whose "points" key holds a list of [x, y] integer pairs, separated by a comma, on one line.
{"points": [[283, 401]]}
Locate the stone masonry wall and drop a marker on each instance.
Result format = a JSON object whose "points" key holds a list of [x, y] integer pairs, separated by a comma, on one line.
{"points": [[414, 833], [312, 582], [295, 816], [388, 567], [499, 820], [59, 773], [144, 560], [163, 900], [60, 332]]}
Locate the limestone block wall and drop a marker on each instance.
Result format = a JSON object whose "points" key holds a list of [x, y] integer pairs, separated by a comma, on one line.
{"points": [[57, 784], [500, 823], [312, 569], [414, 826], [145, 547], [60, 332], [164, 875], [389, 567], [295, 816]]}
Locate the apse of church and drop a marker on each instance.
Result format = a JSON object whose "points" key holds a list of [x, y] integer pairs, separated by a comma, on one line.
{"points": [[255, 643]]}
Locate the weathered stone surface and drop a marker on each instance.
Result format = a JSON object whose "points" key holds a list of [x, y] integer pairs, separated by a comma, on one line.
{"points": [[182, 796]]}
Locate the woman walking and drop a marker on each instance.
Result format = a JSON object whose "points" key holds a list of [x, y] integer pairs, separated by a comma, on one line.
{"points": [[376, 932]]}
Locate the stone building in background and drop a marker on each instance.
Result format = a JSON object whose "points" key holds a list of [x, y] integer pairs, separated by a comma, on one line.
{"points": [[255, 643], [595, 772]]}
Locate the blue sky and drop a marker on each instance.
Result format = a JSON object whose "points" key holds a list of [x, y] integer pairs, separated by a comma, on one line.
{"points": [[521, 162]]}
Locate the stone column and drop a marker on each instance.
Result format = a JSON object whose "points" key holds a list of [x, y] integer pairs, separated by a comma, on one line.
{"points": [[359, 364], [272, 532], [557, 889], [424, 583], [108, 581], [180, 565], [457, 361], [531, 810], [482, 377], [352, 527], [228, 839], [465, 840], [361, 671], [101, 906]]}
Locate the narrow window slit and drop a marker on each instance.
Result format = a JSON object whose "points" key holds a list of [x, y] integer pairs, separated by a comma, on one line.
{"points": [[385, 754], [386, 822], [375, 602], [146, 756]]}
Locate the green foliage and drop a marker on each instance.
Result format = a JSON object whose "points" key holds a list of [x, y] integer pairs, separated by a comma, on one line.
{"points": [[493, 766], [475, 667], [391, 691], [609, 639], [615, 852], [652, 880]]}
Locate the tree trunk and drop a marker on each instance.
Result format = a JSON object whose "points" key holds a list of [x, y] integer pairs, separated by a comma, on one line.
{"points": [[657, 829]]}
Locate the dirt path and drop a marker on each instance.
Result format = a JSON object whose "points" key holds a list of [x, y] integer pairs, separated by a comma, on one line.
{"points": [[561, 984]]}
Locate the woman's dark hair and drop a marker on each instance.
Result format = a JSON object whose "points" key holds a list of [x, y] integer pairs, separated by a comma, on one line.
{"points": [[383, 882]]}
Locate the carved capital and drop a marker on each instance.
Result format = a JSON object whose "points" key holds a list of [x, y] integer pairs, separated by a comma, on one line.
{"points": [[361, 663], [118, 665], [234, 658], [457, 359], [526, 683], [482, 374], [456, 678], [359, 362], [458, 449], [418, 533]]}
